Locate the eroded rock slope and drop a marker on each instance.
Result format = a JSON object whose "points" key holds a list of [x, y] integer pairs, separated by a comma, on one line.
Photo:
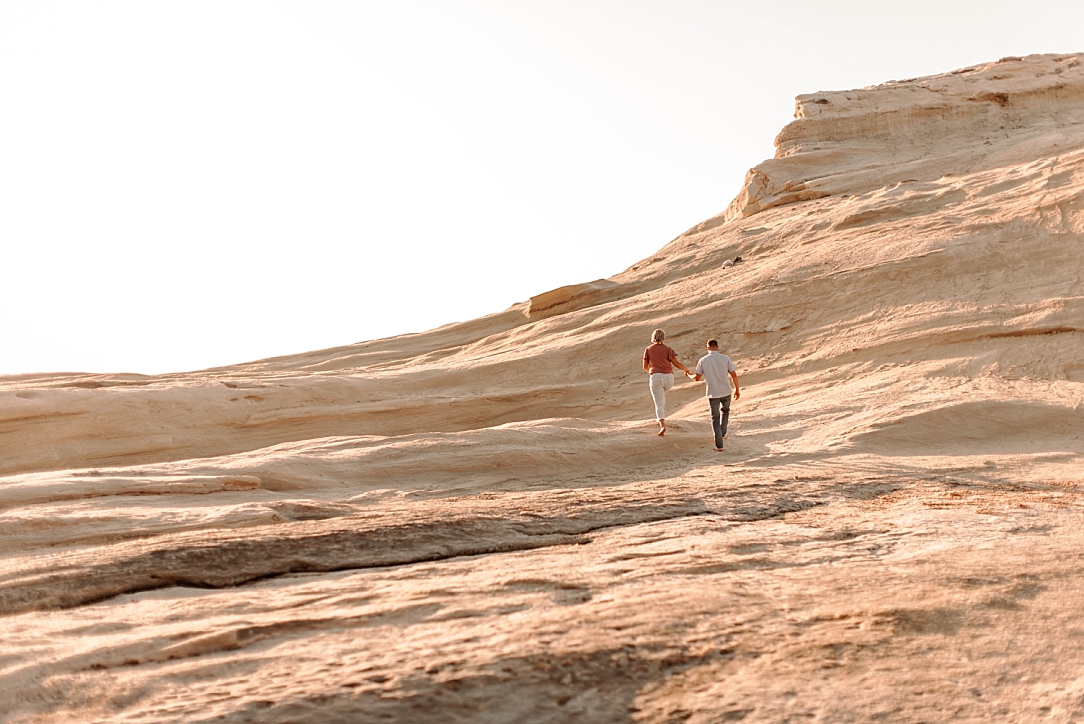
{"points": [[478, 524]]}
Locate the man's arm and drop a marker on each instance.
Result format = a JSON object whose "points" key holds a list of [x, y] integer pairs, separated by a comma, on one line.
{"points": [[737, 391]]}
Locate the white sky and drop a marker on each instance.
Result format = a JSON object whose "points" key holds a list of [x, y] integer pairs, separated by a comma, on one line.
{"points": [[190, 184]]}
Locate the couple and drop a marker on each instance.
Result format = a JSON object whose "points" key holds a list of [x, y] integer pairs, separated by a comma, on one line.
{"points": [[715, 367]]}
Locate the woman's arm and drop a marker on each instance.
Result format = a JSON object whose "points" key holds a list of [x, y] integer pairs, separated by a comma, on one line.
{"points": [[674, 361]]}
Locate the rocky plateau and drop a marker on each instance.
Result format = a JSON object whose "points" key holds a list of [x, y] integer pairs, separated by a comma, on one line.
{"points": [[478, 523]]}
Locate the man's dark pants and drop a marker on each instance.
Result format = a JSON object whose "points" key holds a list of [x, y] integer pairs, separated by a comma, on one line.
{"points": [[718, 422]]}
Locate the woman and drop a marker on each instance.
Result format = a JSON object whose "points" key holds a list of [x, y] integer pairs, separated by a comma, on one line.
{"points": [[659, 363]]}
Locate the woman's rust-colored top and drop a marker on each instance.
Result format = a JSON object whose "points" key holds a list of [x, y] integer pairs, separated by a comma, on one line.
{"points": [[659, 359]]}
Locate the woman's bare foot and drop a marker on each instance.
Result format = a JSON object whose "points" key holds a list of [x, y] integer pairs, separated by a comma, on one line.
{"points": [[662, 428]]}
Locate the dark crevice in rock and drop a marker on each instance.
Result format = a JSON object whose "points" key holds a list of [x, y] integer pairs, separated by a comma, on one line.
{"points": [[232, 558], [1033, 332]]}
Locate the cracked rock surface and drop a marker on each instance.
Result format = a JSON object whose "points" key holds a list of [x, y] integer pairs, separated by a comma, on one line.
{"points": [[478, 523]]}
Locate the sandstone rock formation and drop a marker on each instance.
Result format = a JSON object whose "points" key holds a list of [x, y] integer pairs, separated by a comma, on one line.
{"points": [[570, 298], [477, 523]]}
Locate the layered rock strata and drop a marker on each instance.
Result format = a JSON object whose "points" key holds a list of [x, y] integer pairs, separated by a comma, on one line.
{"points": [[478, 523]]}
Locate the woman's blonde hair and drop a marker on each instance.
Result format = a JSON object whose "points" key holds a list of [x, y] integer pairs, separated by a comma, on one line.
{"points": [[658, 335]]}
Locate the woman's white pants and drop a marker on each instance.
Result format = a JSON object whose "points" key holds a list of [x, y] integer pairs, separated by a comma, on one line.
{"points": [[660, 383]]}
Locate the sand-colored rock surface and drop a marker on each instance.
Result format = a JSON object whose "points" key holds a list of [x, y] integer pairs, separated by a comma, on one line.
{"points": [[478, 523]]}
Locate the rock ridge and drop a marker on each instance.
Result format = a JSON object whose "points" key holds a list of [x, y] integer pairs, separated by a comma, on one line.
{"points": [[478, 523], [850, 142]]}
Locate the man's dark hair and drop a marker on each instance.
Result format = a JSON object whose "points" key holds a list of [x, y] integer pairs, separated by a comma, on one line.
{"points": [[713, 343]]}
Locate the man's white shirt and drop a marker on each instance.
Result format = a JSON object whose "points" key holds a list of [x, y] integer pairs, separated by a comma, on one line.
{"points": [[714, 367]]}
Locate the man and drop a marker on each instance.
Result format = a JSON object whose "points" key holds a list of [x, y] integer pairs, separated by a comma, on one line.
{"points": [[718, 370]]}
